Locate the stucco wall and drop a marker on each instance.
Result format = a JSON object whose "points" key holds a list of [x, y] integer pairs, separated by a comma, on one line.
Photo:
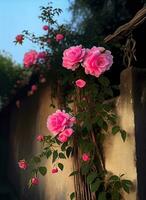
{"points": [[30, 120], [26, 123], [119, 155]]}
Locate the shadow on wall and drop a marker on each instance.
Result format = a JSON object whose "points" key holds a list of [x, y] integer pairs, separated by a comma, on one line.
{"points": [[26, 123]]}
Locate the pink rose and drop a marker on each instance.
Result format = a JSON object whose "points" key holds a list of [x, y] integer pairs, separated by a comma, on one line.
{"points": [[67, 132], [35, 181], [42, 55], [30, 58], [59, 37], [40, 138], [62, 138], [54, 170], [72, 57], [58, 121], [22, 164], [97, 61], [45, 28], [34, 88], [85, 157], [19, 38], [80, 83]]}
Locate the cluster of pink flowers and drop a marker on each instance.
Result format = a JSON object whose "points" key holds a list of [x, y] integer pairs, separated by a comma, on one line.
{"points": [[95, 61], [31, 58], [60, 123]]}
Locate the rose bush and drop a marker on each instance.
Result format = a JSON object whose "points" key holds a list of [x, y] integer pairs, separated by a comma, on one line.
{"points": [[84, 118]]}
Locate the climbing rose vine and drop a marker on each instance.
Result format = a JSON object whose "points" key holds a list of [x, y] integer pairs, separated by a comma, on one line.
{"points": [[83, 117]]}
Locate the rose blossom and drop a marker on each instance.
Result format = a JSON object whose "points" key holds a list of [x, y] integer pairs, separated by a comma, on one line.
{"points": [[42, 55], [40, 138], [54, 170], [85, 157], [73, 56], [22, 164], [62, 138], [45, 28], [30, 58], [80, 83], [67, 132], [19, 38], [59, 37], [97, 61], [34, 88], [35, 181], [58, 121]]}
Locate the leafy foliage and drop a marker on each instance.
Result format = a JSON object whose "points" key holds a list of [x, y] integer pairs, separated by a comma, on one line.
{"points": [[95, 118]]}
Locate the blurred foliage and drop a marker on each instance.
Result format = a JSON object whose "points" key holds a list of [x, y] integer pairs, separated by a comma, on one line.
{"points": [[9, 73]]}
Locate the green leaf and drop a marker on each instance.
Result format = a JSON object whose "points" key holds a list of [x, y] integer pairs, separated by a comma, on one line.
{"points": [[64, 145], [36, 159], [74, 173], [69, 151], [85, 169], [48, 153], [115, 195], [114, 178], [72, 196], [62, 156], [95, 185], [43, 170], [123, 135], [55, 156], [115, 130], [61, 166], [103, 81], [102, 196], [91, 177], [99, 121], [127, 185]]}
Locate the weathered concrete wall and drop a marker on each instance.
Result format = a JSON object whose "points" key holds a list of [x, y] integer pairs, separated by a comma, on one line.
{"points": [[30, 120], [27, 122], [119, 155]]}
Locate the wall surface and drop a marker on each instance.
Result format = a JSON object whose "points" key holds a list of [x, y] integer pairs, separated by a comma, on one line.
{"points": [[26, 123], [119, 155], [30, 120]]}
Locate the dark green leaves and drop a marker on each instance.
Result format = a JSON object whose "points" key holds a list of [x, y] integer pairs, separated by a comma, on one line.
{"points": [[69, 151], [36, 159], [43, 170], [72, 196], [55, 156], [74, 173], [115, 130], [103, 81], [95, 185], [85, 169], [127, 185], [123, 135], [61, 166], [91, 177], [102, 196], [48, 153], [62, 156]]}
